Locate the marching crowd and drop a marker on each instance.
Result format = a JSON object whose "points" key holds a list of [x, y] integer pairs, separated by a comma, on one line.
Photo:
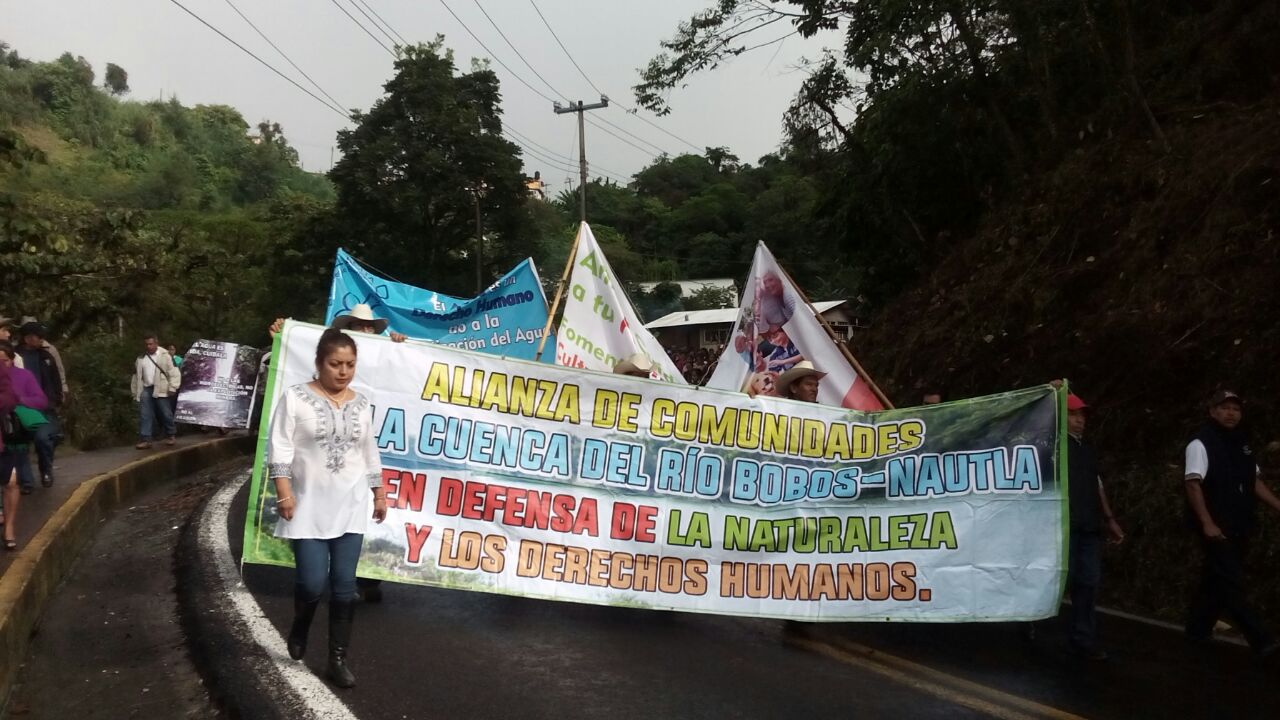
{"points": [[324, 462]]}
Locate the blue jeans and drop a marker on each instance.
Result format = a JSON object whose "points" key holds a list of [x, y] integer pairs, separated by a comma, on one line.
{"points": [[46, 440], [333, 559], [150, 407], [22, 463]]}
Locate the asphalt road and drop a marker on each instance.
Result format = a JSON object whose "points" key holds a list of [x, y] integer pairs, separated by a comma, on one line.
{"points": [[426, 652]]}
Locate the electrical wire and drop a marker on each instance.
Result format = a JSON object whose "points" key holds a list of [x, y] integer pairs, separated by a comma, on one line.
{"points": [[566, 159], [282, 54], [356, 4], [554, 89], [362, 27], [630, 111], [404, 42], [266, 64], [517, 52], [535, 90]]}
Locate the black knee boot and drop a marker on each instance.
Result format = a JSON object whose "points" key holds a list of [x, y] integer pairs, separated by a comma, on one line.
{"points": [[303, 612], [341, 614]]}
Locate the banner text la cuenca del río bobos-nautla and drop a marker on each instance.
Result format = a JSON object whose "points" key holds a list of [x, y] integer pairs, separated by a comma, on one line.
{"points": [[543, 481]]}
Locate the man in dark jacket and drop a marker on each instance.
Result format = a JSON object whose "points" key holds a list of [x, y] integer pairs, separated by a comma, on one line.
{"points": [[1223, 487], [41, 363], [1090, 516]]}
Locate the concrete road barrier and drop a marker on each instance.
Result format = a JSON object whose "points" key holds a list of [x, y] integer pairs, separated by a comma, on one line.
{"points": [[43, 563]]}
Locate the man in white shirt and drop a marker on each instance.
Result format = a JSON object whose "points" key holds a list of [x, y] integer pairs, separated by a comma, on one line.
{"points": [[1224, 485], [155, 378]]}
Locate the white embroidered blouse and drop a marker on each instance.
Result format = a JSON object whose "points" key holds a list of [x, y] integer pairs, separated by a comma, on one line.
{"points": [[330, 456]]}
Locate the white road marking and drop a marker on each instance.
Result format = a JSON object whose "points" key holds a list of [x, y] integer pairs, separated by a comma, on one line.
{"points": [[319, 701]]}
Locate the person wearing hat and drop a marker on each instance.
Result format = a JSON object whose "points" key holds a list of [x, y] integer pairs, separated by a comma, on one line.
{"points": [[39, 359], [359, 319], [49, 348], [635, 365], [800, 382], [1090, 515], [1224, 485], [6, 335]]}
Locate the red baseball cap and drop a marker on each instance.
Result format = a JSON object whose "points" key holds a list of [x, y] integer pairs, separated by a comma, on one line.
{"points": [[1075, 403]]}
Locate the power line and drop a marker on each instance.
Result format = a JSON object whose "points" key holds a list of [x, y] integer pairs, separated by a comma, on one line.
{"points": [[362, 27], [550, 156], [266, 64], [553, 88], [356, 4], [661, 150], [630, 111], [566, 159], [526, 83], [494, 57], [263, 35], [607, 131], [404, 42], [517, 52]]}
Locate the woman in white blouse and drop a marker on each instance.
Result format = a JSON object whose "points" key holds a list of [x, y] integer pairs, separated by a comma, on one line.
{"points": [[324, 460]]}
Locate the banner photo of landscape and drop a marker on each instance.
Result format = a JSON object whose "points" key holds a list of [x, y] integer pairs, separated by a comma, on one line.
{"points": [[506, 319], [599, 326], [549, 482], [219, 382], [775, 330]]}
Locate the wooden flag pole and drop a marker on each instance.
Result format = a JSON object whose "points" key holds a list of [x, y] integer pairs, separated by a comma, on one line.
{"points": [[555, 304], [857, 366]]}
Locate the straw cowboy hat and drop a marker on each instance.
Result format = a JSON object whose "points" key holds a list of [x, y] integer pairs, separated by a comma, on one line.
{"points": [[360, 314], [804, 368], [636, 363]]}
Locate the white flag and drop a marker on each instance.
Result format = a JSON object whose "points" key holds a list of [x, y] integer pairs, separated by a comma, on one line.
{"points": [[775, 330], [599, 327]]}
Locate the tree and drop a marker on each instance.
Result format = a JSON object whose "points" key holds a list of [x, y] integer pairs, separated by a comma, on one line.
{"points": [[116, 80], [404, 177], [710, 298]]}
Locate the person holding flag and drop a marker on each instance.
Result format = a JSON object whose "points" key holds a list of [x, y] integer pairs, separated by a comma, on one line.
{"points": [[779, 330]]}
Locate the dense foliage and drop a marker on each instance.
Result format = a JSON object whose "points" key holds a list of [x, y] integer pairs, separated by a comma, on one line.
{"points": [[1027, 190], [119, 217]]}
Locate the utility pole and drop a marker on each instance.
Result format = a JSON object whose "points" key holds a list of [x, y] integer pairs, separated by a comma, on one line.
{"points": [[479, 248], [581, 109], [478, 191]]}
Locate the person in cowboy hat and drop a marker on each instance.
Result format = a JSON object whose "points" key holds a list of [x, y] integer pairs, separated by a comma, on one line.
{"points": [[359, 319], [801, 382], [635, 365], [6, 335]]}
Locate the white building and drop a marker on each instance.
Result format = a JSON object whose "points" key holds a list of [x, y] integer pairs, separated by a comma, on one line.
{"points": [[710, 328]]}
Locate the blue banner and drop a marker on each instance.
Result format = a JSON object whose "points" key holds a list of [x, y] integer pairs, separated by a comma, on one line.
{"points": [[506, 319]]}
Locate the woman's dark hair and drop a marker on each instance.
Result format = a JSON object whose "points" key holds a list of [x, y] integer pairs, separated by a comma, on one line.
{"points": [[330, 342], [6, 347]]}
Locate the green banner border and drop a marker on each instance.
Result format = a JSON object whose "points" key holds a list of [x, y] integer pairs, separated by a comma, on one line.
{"points": [[256, 496]]}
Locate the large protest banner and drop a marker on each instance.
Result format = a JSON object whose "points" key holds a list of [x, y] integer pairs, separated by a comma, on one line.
{"points": [[547, 482], [600, 326], [219, 381], [775, 330], [506, 319]]}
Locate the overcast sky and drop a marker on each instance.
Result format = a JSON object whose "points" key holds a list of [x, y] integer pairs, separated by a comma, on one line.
{"points": [[167, 51]]}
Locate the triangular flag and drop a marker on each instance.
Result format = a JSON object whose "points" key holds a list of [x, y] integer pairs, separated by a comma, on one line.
{"points": [[775, 330], [600, 328]]}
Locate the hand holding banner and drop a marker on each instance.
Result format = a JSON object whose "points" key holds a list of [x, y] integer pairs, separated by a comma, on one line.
{"points": [[776, 330], [554, 483]]}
